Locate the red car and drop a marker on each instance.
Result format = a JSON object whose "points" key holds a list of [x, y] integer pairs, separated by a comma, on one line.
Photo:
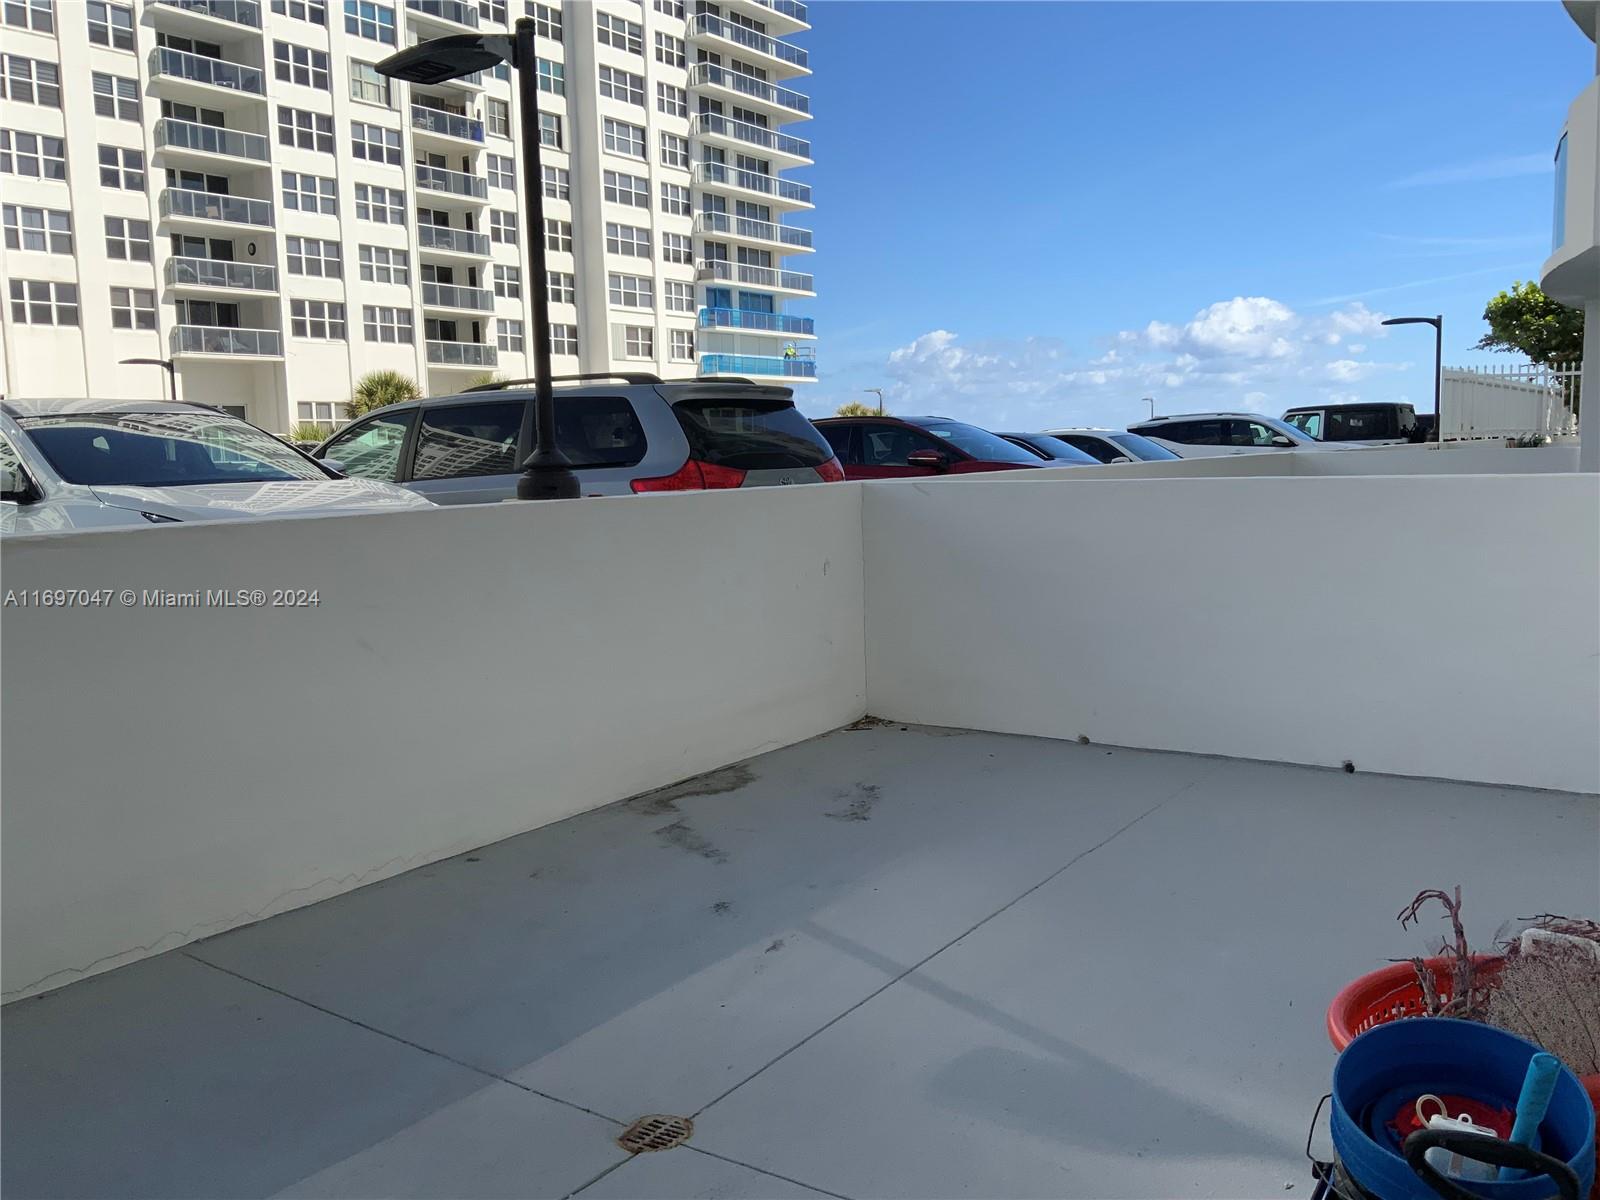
{"points": [[914, 447]]}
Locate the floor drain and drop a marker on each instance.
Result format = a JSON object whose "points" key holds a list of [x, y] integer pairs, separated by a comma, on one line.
{"points": [[655, 1132]]}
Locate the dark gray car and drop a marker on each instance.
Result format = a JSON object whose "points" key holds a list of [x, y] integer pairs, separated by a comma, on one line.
{"points": [[622, 433]]}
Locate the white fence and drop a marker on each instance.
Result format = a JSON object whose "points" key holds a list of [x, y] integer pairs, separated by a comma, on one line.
{"points": [[1516, 400]]}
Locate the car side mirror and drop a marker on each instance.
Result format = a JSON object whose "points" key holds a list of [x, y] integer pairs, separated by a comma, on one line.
{"points": [[932, 460], [333, 464], [1283, 440], [14, 487]]}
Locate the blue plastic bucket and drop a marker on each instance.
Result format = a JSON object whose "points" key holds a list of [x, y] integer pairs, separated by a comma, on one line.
{"points": [[1443, 1056]]}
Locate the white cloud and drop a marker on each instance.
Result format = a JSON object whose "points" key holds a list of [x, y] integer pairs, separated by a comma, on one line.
{"points": [[1480, 171], [1357, 347]]}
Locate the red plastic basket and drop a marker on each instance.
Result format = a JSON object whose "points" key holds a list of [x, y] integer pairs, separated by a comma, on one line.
{"points": [[1392, 992]]}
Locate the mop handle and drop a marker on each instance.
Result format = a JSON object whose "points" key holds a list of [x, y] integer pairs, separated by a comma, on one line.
{"points": [[1534, 1102]]}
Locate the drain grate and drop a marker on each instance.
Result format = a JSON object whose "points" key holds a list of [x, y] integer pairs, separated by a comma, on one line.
{"points": [[655, 1132]]}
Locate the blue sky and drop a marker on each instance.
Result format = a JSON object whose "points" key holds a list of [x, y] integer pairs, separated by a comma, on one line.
{"points": [[1031, 213]]}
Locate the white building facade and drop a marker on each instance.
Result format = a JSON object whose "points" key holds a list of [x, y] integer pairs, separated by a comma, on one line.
{"points": [[238, 192]]}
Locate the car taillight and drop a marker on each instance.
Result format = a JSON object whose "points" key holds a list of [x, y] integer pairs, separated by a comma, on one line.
{"points": [[693, 477], [831, 471]]}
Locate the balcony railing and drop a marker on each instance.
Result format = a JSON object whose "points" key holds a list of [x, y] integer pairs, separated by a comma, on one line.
{"points": [[457, 183], [180, 64], [708, 24], [457, 241], [240, 12], [711, 75], [771, 277], [755, 135], [789, 8], [174, 134], [761, 231], [752, 181], [215, 339], [216, 273], [761, 322], [213, 206], [453, 11], [446, 123], [755, 364], [447, 295], [462, 354]]}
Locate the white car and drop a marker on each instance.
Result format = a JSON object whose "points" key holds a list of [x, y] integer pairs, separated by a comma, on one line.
{"points": [[95, 464], [1203, 435]]}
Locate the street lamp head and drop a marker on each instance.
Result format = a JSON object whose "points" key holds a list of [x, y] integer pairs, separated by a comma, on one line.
{"points": [[1434, 321], [442, 59]]}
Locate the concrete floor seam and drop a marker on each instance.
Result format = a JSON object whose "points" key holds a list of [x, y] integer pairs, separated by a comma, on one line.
{"points": [[764, 1171]]}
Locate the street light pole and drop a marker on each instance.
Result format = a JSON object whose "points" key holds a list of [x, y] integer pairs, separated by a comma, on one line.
{"points": [[1151, 401], [1438, 365], [166, 363], [879, 392]]}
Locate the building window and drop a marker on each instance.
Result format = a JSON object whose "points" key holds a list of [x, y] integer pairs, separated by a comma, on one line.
{"points": [[673, 101], [368, 20], [670, 8], [115, 96], [563, 339], [503, 226], [313, 256], [557, 183], [638, 341], [631, 291], [320, 319], [301, 65], [127, 239], [384, 206], [676, 248], [675, 200], [674, 150], [111, 25], [563, 287], [614, 31], [621, 188], [304, 129], [622, 85], [677, 295], [319, 413], [682, 345], [552, 77], [627, 239], [133, 308], [492, 10], [510, 335], [122, 167], [47, 230], [32, 155], [550, 130], [310, 193], [508, 282], [315, 11], [557, 235], [497, 116], [623, 138], [37, 15], [669, 50], [375, 143], [386, 324], [31, 81], [366, 84], [546, 20], [382, 264], [37, 302], [502, 171]]}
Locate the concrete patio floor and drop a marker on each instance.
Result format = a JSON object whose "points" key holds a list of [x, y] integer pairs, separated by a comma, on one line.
{"points": [[885, 962]]}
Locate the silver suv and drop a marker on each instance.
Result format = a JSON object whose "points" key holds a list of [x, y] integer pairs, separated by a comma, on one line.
{"points": [[622, 434]]}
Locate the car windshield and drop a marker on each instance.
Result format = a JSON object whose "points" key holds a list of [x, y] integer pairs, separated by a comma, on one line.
{"points": [[164, 449], [1140, 447], [1289, 431], [979, 443]]}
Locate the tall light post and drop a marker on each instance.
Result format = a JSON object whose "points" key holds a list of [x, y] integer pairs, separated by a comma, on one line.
{"points": [[1151, 401], [1438, 365], [546, 473], [879, 392], [170, 366]]}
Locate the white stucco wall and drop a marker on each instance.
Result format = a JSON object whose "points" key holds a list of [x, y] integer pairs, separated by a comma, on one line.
{"points": [[1434, 626], [470, 673]]}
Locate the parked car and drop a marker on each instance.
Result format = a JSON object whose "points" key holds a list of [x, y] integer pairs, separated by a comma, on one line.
{"points": [[622, 434], [1376, 424], [81, 464], [1198, 435], [1053, 450], [1112, 445], [900, 447]]}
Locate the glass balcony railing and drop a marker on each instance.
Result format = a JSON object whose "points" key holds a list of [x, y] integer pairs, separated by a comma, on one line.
{"points": [[761, 231], [756, 364], [754, 135], [453, 11], [462, 354], [710, 25], [215, 339], [769, 277], [789, 8], [752, 181], [761, 322], [174, 134], [215, 273], [711, 75], [213, 206], [456, 241], [447, 295], [457, 183], [446, 123], [240, 12], [180, 64]]}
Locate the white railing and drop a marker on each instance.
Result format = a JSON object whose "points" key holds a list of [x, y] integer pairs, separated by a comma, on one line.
{"points": [[1510, 401]]}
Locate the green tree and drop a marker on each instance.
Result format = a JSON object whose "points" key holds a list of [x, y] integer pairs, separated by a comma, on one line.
{"points": [[1528, 322], [484, 378], [855, 408], [378, 388]]}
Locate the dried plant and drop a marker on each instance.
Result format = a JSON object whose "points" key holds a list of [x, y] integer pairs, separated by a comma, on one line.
{"points": [[1549, 991], [1470, 987]]}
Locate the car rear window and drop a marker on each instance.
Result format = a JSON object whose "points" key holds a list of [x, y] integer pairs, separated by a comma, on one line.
{"points": [[752, 434], [164, 449]]}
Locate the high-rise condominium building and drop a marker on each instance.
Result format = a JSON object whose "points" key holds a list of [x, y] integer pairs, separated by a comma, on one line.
{"points": [[231, 186]]}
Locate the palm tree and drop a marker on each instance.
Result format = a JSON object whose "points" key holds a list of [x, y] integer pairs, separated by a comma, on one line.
{"points": [[378, 388]]}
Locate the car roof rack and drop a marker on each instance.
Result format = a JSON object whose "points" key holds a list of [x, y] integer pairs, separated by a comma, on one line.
{"points": [[625, 376]]}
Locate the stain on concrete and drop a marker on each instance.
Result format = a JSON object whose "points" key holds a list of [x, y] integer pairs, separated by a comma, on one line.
{"points": [[866, 722], [777, 945], [857, 803], [682, 835], [714, 783], [722, 906]]}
